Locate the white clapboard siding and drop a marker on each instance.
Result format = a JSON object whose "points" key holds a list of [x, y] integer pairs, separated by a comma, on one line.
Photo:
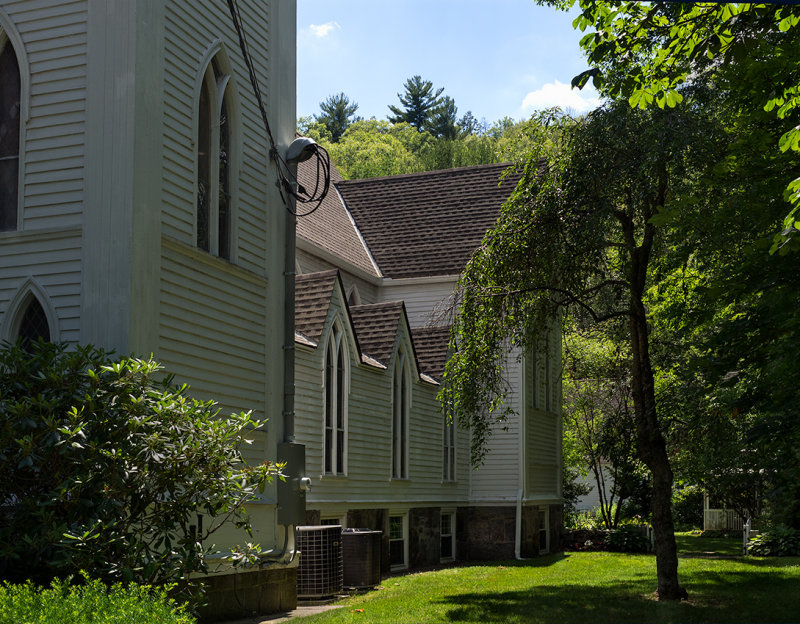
{"points": [[190, 31], [498, 478], [54, 262], [212, 327], [369, 443], [54, 35], [309, 263], [428, 301], [543, 421]]}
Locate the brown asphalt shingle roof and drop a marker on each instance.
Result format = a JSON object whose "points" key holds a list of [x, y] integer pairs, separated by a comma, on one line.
{"points": [[312, 299], [329, 226], [425, 224], [376, 327], [430, 344]]}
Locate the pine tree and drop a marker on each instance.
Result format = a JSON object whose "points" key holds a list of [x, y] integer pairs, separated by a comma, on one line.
{"points": [[337, 114], [443, 122], [419, 102]]}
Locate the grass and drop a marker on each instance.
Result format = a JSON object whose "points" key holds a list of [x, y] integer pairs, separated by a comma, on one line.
{"points": [[590, 587]]}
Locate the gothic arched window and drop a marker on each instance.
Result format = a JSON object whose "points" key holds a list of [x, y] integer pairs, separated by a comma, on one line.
{"points": [[336, 390], [33, 323], [214, 164], [10, 96]]}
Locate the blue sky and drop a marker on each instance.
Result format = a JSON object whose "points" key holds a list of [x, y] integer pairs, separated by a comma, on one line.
{"points": [[496, 58]]}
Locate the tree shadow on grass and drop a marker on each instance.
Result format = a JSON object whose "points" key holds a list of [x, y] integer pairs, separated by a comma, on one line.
{"points": [[715, 596]]}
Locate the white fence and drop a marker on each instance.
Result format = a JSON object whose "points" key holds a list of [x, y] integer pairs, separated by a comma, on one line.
{"points": [[722, 520]]}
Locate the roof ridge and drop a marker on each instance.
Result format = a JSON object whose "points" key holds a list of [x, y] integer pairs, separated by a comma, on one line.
{"points": [[400, 176], [316, 274], [380, 304]]}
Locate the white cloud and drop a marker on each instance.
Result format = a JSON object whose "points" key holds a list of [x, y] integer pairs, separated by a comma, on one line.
{"points": [[559, 94], [323, 30]]}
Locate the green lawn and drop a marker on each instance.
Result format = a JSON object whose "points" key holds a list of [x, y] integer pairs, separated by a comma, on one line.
{"points": [[587, 588]]}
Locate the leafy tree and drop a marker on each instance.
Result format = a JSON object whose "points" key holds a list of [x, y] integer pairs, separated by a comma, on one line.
{"points": [[582, 231], [470, 125], [598, 415], [418, 103], [107, 467], [373, 148], [645, 51], [338, 112]]}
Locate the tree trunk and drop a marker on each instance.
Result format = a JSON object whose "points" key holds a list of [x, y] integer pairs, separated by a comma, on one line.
{"points": [[653, 452]]}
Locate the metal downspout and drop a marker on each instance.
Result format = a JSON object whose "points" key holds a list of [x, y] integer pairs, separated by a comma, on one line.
{"points": [[521, 462], [288, 325]]}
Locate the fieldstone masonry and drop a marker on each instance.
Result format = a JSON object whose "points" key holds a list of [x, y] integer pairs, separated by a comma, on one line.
{"points": [[423, 535]]}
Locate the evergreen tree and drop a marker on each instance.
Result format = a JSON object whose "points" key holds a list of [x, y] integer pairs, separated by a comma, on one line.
{"points": [[338, 112], [418, 103], [443, 121]]}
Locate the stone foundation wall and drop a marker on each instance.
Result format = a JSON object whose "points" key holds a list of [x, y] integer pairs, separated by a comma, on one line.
{"points": [[424, 532], [556, 526], [530, 532], [244, 594], [485, 533]]}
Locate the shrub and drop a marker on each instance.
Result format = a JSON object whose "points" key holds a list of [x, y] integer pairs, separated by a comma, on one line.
{"points": [[687, 507], [777, 541], [92, 603], [586, 520], [105, 466], [627, 538]]}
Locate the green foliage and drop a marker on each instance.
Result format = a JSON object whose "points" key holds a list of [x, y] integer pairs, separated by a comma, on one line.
{"points": [[598, 414], [587, 520], [106, 466], [444, 120], [687, 507], [571, 491], [370, 148], [338, 112], [777, 541], [88, 603], [373, 148], [419, 103], [627, 538], [645, 51]]}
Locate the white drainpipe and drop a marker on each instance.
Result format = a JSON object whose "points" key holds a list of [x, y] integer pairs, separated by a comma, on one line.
{"points": [[521, 464]]}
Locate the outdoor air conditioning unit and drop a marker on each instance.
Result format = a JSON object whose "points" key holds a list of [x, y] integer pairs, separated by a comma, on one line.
{"points": [[319, 574], [361, 553]]}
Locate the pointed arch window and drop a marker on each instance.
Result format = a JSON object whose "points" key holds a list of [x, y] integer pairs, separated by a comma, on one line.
{"points": [[401, 399], [214, 163], [449, 445], [33, 324], [10, 98], [337, 383]]}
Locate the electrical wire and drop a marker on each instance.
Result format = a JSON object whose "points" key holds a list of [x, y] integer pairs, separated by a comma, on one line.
{"points": [[287, 180]]}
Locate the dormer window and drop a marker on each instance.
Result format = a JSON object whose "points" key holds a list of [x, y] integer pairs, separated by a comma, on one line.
{"points": [[10, 95], [214, 162]]}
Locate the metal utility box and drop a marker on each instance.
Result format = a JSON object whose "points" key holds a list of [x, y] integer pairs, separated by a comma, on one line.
{"points": [[291, 493]]}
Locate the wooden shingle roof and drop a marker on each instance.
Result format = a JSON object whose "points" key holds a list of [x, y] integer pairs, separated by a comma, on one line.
{"points": [[426, 224]]}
